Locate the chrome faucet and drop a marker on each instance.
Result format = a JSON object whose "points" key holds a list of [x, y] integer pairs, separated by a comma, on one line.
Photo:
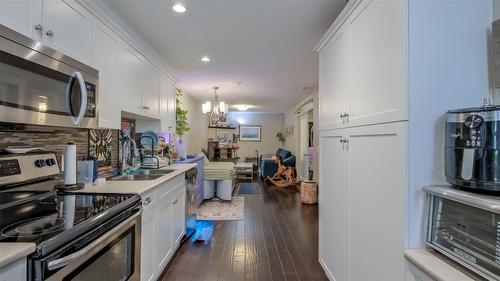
{"points": [[124, 139]]}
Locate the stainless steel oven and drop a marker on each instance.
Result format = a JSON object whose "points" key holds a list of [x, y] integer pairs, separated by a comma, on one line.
{"points": [[41, 86], [113, 256]]}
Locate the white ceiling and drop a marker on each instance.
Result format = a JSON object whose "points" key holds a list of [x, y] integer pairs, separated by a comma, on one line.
{"points": [[267, 45]]}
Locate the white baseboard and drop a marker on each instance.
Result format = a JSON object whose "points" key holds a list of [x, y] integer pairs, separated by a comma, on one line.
{"points": [[327, 271]]}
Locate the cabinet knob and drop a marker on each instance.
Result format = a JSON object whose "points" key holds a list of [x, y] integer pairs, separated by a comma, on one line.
{"points": [[49, 33], [146, 107], [175, 202], [39, 27], [147, 201]]}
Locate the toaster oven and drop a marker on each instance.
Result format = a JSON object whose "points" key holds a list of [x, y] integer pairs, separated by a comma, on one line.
{"points": [[465, 227]]}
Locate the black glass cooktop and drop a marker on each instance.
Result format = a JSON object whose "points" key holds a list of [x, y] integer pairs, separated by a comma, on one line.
{"points": [[51, 215]]}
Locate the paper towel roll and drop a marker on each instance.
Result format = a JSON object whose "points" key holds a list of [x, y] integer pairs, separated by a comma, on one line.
{"points": [[70, 164]]}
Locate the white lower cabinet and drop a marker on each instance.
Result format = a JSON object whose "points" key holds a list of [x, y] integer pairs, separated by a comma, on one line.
{"points": [[162, 226], [361, 202], [15, 271]]}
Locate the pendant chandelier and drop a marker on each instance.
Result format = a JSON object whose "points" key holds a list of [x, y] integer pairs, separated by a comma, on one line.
{"points": [[215, 109]]}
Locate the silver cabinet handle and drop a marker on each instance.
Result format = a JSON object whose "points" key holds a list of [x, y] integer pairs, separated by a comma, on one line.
{"points": [[146, 107], [49, 33], [39, 27], [147, 201], [175, 202]]}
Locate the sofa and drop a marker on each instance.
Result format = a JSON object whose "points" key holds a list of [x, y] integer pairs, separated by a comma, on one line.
{"points": [[268, 167]]}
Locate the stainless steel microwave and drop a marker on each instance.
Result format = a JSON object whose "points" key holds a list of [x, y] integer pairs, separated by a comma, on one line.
{"points": [[40, 86]]}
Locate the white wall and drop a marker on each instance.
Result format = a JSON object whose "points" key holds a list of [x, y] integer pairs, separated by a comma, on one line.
{"points": [[448, 67], [196, 137]]}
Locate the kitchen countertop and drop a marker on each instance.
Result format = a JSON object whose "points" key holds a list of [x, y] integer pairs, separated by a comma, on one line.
{"points": [[438, 266], [137, 187], [14, 251]]}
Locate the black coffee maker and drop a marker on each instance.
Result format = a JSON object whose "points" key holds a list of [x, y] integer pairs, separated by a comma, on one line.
{"points": [[472, 155]]}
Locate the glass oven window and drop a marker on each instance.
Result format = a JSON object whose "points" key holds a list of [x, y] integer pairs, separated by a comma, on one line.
{"points": [[113, 263], [30, 86], [467, 233]]}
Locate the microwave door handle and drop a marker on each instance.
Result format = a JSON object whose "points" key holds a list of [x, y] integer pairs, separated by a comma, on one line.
{"points": [[83, 96]]}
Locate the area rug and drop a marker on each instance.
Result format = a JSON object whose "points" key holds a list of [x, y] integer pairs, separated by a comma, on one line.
{"points": [[247, 188], [216, 209]]}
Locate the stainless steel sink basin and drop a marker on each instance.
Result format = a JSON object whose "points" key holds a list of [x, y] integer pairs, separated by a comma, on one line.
{"points": [[135, 177], [155, 172]]}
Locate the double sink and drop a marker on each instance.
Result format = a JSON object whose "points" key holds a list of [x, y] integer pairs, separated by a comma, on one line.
{"points": [[143, 175]]}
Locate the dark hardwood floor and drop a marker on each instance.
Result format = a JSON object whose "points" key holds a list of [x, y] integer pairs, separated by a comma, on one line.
{"points": [[276, 241]]}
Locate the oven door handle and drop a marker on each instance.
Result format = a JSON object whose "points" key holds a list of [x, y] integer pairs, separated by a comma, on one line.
{"points": [[90, 248], [77, 77]]}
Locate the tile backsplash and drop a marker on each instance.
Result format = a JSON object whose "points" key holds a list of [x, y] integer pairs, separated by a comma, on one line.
{"points": [[55, 140]]}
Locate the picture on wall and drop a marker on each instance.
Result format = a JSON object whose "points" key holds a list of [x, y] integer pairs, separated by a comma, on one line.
{"points": [[250, 133], [100, 146], [223, 136]]}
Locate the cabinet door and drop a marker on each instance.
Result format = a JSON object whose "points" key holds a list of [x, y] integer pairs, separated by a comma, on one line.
{"points": [[22, 16], [131, 74], [167, 91], [15, 271], [151, 90], [164, 232], [172, 106], [377, 183], [334, 81], [106, 57], [378, 50], [148, 247], [179, 215], [67, 28], [333, 194]]}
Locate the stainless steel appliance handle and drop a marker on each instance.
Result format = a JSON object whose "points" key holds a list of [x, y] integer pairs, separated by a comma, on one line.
{"points": [[55, 264], [83, 96]]}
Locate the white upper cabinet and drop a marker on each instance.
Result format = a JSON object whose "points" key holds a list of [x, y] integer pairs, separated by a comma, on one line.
{"points": [[334, 81], [362, 79], [60, 24], [23, 16], [151, 90], [167, 104], [378, 48], [67, 28], [132, 77], [106, 57]]}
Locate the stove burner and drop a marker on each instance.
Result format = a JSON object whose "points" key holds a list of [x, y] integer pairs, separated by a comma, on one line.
{"points": [[33, 227]]}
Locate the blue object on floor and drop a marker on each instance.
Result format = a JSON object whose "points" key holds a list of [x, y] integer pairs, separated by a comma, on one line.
{"points": [[247, 188]]}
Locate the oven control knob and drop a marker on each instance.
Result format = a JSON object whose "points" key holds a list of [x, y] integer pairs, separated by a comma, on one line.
{"points": [[40, 163], [473, 121], [50, 162]]}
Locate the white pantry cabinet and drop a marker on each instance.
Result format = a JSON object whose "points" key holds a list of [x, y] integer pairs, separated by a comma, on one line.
{"points": [[106, 57], [15, 271], [361, 203], [362, 66], [162, 226], [333, 214], [396, 88], [60, 24]]}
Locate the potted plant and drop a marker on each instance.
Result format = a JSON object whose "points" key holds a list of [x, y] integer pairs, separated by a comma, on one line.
{"points": [[181, 124]]}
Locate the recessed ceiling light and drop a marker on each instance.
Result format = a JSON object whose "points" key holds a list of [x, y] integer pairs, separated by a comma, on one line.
{"points": [[242, 107], [205, 59], [179, 8]]}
